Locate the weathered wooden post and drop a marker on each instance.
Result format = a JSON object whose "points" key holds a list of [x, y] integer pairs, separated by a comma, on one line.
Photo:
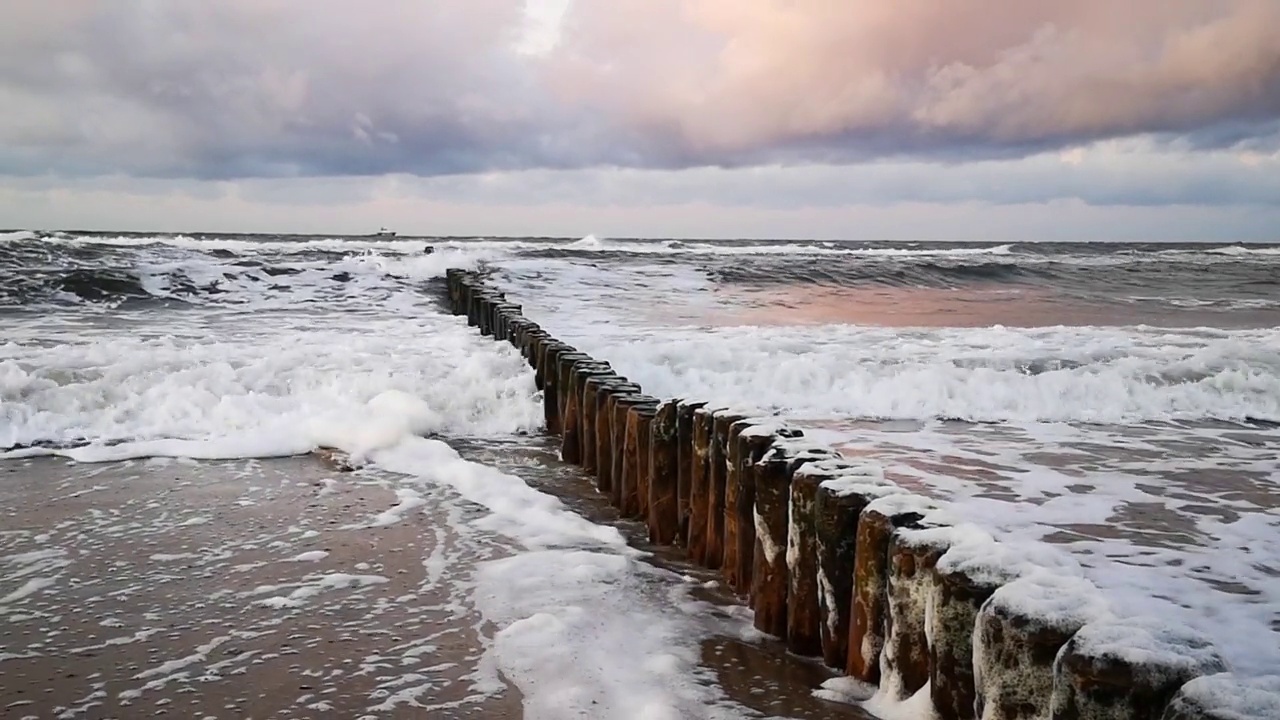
{"points": [[718, 479], [635, 473], [574, 376], [1094, 678], [1018, 634], [805, 591], [870, 607], [664, 522], [837, 508], [914, 550], [685, 461], [556, 355], [769, 580], [749, 439], [963, 579], [625, 450], [590, 391], [534, 342], [1224, 696], [586, 434], [700, 484], [605, 450], [503, 313]]}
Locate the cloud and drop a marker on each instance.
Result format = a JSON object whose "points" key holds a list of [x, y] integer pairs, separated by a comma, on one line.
{"points": [[734, 79], [301, 88], [283, 87]]}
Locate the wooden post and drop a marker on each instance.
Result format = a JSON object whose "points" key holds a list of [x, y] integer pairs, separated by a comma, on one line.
{"points": [[1091, 680], [534, 344], [700, 484], [837, 508], [586, 435], [590, 390], [553, 407], [769, 576], [1226, 696], [914, 550], [571, 429], [685, 460], [718, 481], [804, 624], [604, 432], [748, 441], [964, 578], [870, 575], [635, 490], [1018, 634], [627, 436], [663, 522], [769, 581]]}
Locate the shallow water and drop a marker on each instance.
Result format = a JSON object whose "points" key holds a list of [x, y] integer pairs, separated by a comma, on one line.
{"points": [[1093, 397], [1119, 401]]}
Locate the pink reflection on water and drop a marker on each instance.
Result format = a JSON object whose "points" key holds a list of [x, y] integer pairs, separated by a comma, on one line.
{"points": [[1016, 306]]}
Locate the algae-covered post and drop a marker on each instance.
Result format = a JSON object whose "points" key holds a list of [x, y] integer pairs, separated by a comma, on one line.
{"points": [[635, 494], [870, 576], [717, 480], [1018, 634], [604, 431], [1128, 669], [590, 391], [685, 461], [624, 449], [964, 578], [749, 440], [769, 580], [1224, 696], [700, 484], [804, 626], [810, 620], [769, 574], [914, 550], [664, 522]]}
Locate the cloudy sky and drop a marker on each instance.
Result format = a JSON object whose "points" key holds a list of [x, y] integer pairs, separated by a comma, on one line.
{"points": [[858, 119]]}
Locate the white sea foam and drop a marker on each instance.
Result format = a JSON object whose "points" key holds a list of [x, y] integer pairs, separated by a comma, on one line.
{"points": [[1098, 375], [277, 364], [262, 394], [369, 366], [1108, 440]]}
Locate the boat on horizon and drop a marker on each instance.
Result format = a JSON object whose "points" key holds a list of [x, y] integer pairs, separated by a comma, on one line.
{"points": [[383, 232]]}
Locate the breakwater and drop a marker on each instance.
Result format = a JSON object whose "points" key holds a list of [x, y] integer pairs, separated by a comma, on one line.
{"points": [[839, 563]]}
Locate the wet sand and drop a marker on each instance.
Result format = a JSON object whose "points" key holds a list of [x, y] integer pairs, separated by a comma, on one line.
{"points": [[762, 676], [259, 589], [203, 590]]}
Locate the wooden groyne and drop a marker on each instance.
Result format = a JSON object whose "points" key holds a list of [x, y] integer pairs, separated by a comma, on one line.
{"points": [[841, 564]]}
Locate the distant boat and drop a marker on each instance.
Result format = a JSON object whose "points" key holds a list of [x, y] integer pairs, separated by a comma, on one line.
{"points": [[383, 232]]}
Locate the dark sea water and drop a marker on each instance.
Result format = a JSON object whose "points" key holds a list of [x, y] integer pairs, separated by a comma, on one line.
{"points": [[1119, 400]]}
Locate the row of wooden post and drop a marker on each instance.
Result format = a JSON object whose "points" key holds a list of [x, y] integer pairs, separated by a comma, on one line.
{"points": [[835, 560]]}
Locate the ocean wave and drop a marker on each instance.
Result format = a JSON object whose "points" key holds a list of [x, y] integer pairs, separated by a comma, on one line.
{"points": [[246, 389], [1088, 375]]}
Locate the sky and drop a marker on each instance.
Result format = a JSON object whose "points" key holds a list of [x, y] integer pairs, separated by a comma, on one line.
{"points": [[831, 119]]}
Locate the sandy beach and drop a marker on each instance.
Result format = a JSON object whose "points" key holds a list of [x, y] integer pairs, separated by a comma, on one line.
{"points": [[230, 589], [266, 589]]}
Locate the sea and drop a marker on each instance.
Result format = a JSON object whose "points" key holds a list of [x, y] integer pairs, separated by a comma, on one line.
{"points": [[1118, 401]]}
